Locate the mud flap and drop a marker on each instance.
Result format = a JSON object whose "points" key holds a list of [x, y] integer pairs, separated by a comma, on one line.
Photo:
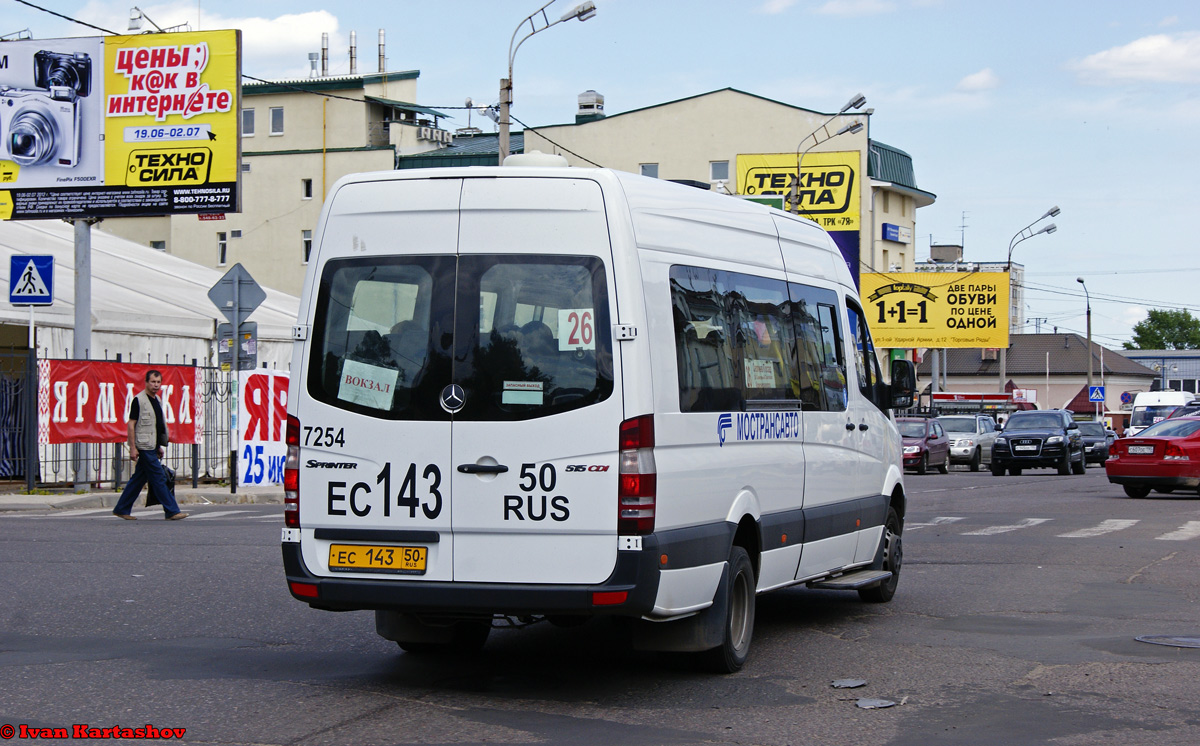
{"points": [[701, 631]]}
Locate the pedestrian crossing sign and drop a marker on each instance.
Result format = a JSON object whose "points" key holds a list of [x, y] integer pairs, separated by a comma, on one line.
{"points": [[1096, 393], [31, 280]]}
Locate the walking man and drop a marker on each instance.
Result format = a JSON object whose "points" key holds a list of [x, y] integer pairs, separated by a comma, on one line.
{"points": [[148, 439]]}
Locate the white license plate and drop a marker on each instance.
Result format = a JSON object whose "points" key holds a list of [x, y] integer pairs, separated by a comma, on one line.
{"points": [[1025, 448], [1141, 450]]}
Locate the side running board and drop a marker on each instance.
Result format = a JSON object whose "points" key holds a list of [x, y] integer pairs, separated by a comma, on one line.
{"points": [[852, 581]]}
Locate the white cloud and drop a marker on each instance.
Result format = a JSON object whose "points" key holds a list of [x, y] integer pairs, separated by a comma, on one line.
{"points": [[1161, 58], [1132, 315], [1169, 21], [984, 80], [774, 7], [855, 8], [271, 47]]}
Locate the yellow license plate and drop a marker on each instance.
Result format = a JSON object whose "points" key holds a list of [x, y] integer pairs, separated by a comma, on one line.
{"points": [[363, 558]]}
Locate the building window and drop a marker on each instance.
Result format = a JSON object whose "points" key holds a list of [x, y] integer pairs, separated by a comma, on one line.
{"points": [[276, 120], [306, 188], [159, 245], [305, 244], [718, 170], [650, 169], [245, 168], [235, 233], [222, 248], [247, 122], [887, 202]]}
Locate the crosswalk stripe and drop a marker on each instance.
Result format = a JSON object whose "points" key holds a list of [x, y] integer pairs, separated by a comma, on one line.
{"points": [[1105, 527], [217, 514], [88, 511], [992, 530], [1189, 530], [940, 520]]}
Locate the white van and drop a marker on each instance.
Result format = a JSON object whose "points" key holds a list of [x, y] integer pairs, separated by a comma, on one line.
{"points": [[1150, 407], [558, 393]]}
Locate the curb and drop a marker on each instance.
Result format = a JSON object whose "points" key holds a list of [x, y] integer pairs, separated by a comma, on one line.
{"points": [[9, 503]]}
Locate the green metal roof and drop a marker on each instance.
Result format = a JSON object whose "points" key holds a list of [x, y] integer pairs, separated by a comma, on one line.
{"points": [[404, 106], [477, 150], [886, 163], [331, 83]]}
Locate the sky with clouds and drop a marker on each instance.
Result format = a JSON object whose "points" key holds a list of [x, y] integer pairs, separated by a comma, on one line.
{"points": [[1006, 108]]}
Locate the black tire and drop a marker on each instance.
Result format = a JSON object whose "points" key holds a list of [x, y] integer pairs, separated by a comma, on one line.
{"points": [[1014, 470], [731, 654], [468, 638], [1064, 466], [997, 469], [889, 556], [1080, 467], [923, 467], [944, 467], [1164, 490], [976, 459], [1136, 491]]}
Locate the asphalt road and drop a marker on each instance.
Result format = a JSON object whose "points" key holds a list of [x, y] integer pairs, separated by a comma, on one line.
{"points": [[1014, 623]]}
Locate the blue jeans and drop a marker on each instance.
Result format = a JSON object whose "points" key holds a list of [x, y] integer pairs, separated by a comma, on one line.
{"points": [[148, 470]]}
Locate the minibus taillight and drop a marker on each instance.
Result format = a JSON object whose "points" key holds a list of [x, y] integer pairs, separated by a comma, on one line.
{"points": [[638, 477], [291, 474]]}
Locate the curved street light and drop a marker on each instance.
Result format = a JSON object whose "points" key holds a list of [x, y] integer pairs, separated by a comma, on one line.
{"points": [[1025, 233], [583, 11], [857, 101], [1051, 213]]}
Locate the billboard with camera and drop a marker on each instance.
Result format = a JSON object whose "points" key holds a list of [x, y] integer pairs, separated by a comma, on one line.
{"points": [[120, 126]]}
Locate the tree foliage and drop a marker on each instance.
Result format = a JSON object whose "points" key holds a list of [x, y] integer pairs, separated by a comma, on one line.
{"points": [[1166, 330]]}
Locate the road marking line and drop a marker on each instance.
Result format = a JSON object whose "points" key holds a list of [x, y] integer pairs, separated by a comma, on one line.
{"points": [[1105, 527], [217, 514], [88, 511], [1189, 530], [940, 520], [992, 530]]}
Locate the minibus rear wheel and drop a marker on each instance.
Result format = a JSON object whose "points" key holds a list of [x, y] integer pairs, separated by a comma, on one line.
{"points": [[731, 654]]}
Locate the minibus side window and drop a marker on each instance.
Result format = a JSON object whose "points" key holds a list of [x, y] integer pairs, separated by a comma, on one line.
{"points": [[865, 361], [734, 341], [822, 363]]}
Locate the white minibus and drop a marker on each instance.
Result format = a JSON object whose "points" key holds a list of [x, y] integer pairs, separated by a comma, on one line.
{"points": [[1150, 407], [548, 393]]}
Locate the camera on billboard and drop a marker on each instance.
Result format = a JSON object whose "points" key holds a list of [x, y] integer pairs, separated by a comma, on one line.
{"points": [[63, 70], [40, 125]]}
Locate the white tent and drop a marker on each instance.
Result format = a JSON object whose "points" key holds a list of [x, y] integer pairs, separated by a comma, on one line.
{"points": [[147, 306]]}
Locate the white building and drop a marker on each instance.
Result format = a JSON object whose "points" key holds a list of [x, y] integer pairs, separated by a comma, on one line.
{"points": [[298, 138]]}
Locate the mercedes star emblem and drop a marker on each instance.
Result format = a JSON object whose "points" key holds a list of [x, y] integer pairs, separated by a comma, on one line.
{"points": [[453, 398]]}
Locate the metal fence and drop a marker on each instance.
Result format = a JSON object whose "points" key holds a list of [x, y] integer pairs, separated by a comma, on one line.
{"points": [[100, 465]]}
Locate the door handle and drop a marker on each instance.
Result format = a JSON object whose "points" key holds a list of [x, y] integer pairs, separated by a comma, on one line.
{"points": [[864, 427], [482, 468], [849, 425]]}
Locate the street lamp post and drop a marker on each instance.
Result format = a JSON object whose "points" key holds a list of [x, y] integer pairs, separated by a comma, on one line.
{"points": [[1012, 244], [583, 12], [856, 102], [1089, 334]]}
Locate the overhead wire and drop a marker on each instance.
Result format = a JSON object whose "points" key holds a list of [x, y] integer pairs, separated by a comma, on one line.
{"points": [[557, 145]]}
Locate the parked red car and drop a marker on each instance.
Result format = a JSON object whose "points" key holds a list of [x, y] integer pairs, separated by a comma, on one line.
{"points": [[1164, 457], [925, 444]]}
